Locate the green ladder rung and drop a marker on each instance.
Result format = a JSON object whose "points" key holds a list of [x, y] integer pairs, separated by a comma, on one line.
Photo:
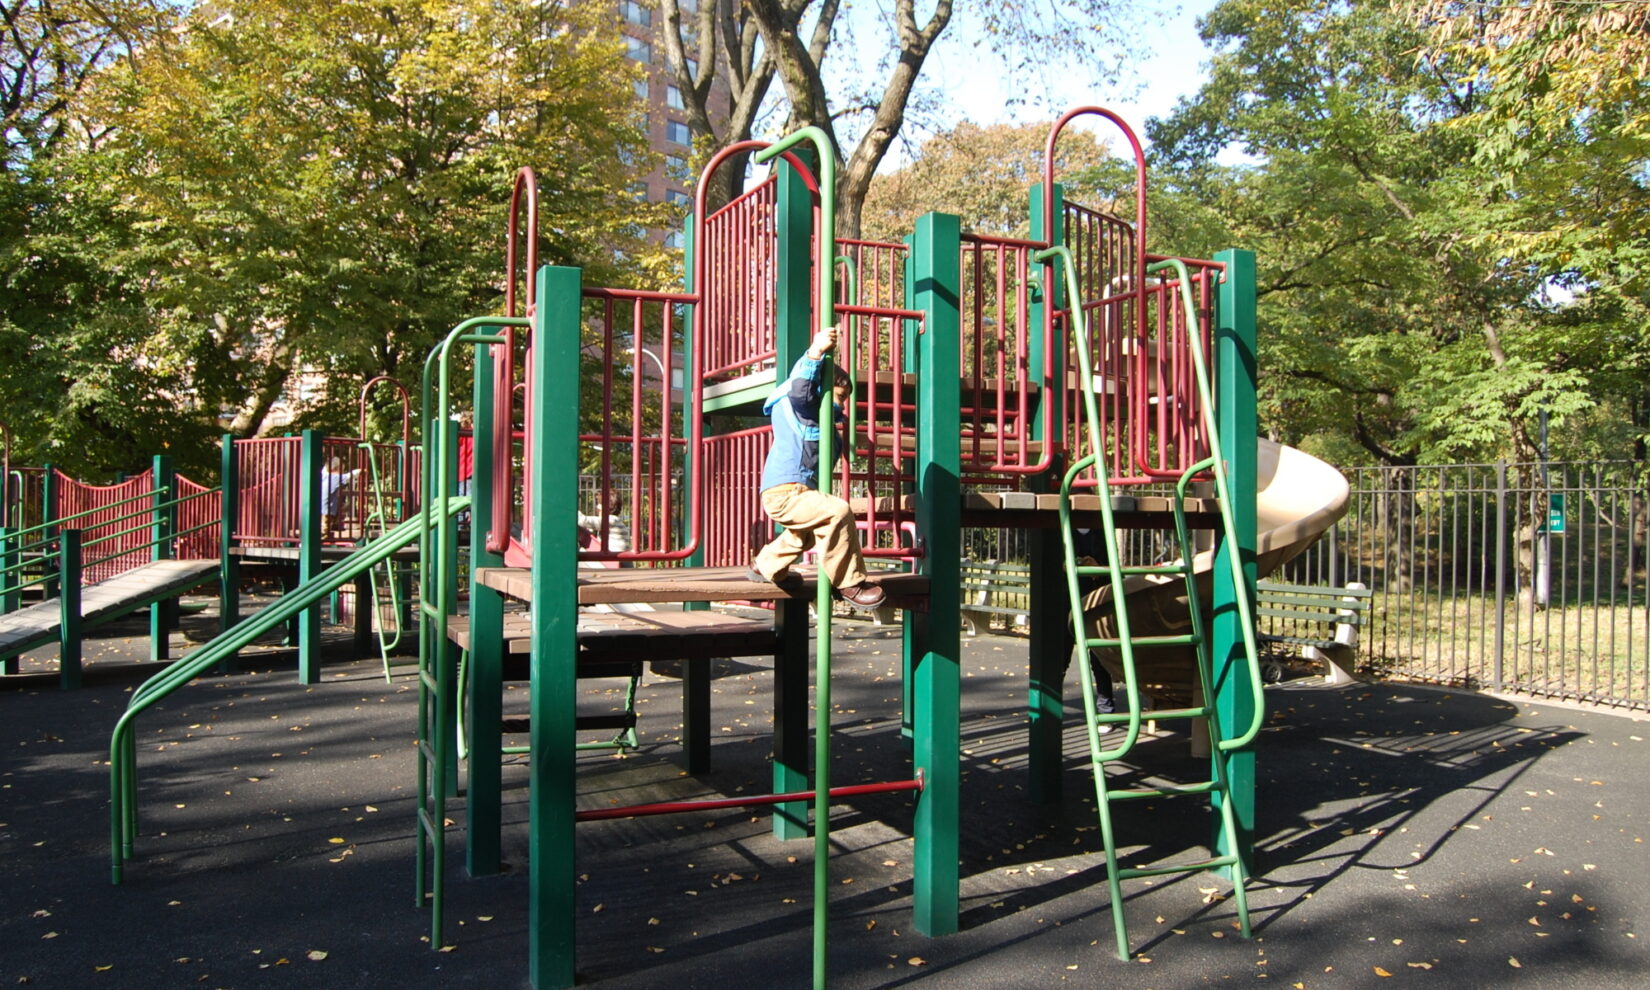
{"points": [[1101, 570], [1132, 873], [429, 680], [427, 749], [1172, 790], [1156, 715], [1146, 641], [426, 824]]}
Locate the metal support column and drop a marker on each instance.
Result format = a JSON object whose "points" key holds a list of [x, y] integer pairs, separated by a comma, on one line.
{"points": [[1235, 375], [936, 673], [553, 432]]}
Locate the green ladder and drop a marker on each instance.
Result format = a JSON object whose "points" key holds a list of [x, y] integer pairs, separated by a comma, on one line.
{"points": [[1125, 643]]}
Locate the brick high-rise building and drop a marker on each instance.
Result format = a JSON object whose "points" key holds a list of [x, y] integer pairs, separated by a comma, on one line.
{"points": [[667, 117]]}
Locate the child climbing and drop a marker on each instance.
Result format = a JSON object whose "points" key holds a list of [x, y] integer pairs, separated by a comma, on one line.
{"points": [[790, 480]]}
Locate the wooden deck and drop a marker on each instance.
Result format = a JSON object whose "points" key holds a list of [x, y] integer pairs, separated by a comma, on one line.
{"points": [[1035, 510], [660, 585]]}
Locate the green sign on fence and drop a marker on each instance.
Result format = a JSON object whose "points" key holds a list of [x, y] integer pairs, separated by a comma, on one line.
{"points": [[1555, 513]]}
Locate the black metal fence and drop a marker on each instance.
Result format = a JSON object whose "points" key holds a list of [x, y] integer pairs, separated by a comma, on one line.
{"points": [[1521, 577]]}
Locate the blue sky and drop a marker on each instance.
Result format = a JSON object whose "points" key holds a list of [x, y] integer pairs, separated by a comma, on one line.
{"points": [[1167, 64]]}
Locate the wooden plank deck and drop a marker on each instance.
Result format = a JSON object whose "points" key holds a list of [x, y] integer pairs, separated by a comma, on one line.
{"points": [[1041, 510], [38, 624], [659, 585]]}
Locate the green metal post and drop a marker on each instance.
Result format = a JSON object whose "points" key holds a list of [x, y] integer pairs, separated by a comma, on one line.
{"points": [[483, 793], [793, 330], [937, 683], [554, 433], [1049, 621], [1235, 375], [9, 600], [913, 640], [163, 615], [229, 565], [695, 674], [68, 602], [446, 650], [309, 553]]}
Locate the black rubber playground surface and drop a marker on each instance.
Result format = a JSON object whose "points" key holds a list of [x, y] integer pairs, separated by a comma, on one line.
{"points": [[1408, 837]]}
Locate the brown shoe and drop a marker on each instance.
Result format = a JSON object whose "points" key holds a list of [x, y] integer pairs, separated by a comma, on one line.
{"points": [[863, 595]]}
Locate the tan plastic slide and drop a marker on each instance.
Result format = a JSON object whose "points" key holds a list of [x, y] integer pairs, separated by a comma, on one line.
{"points": [[1299, 498]]}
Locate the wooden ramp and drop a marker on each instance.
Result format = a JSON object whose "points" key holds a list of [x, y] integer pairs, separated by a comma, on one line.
{"points": [[121, 595]]}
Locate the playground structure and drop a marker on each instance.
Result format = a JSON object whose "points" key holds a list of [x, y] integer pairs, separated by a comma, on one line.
{"points": [[970, 356], [1062, 382]]}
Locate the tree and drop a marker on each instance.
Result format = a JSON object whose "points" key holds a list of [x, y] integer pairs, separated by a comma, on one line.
{"points": [[753, 41], [1385, 304], [321, 187]]}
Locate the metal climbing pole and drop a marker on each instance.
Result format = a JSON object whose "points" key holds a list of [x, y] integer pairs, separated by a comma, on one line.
{"points": [[825, 315]]}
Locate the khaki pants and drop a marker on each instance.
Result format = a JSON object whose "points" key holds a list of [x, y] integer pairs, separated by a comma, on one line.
{"points": [[808, 516]]}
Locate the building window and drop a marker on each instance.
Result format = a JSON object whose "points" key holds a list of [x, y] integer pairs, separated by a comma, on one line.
{"points": [[692, 67], [688, 6], [635, 13], [641, 89], [673, 239], [677, 132], [676, 197], [638, 49], [638, 190], [673, 98], [676, 167]]}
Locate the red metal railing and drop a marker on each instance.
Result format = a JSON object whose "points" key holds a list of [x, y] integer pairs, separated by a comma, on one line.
{"points": [[113, 510], [735, 526], [643, 428], [875, 326], [269, 470], [1000, 388], [1151, 420], [741, 306], [200, 521]]}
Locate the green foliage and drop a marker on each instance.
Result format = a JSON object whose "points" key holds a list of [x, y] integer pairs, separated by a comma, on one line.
{"points": [[280, 188], [1403, 314]]}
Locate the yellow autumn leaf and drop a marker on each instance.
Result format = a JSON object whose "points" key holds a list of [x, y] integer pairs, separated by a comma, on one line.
{"points": [[315, 955], [1381, 972]]}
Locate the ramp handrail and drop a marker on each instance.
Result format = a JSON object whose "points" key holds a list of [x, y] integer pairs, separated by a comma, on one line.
{"points": [[123, 741]]}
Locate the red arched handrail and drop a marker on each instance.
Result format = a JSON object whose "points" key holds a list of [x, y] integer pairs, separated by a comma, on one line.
{"points": [[524, 193], [1138, 288], [406, 406]]}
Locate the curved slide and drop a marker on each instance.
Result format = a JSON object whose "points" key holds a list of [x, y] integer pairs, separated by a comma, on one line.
{"points": [[1299, 498]]}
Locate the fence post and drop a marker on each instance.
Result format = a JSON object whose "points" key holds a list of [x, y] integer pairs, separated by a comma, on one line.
{"points": [[1497, 671], [163, 527], [68, 570]]}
